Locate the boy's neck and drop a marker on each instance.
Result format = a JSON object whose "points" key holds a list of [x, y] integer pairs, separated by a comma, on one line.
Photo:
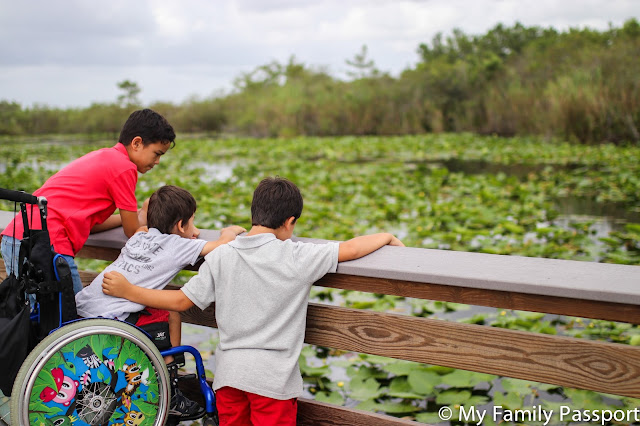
{"points": [[258, 229]]}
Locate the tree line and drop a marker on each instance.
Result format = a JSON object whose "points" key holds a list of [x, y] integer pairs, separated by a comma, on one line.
{"points": [[579, 85]]}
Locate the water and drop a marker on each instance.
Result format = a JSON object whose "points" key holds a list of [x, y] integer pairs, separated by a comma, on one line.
{"points": [[214, 171], [604, 217], [51, 166], [477, 167]]}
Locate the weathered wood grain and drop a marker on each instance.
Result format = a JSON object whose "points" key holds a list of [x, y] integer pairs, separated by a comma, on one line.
{"points": [[566, 361], [319, 413], [100, 253], [484, 297], [87, 277]]}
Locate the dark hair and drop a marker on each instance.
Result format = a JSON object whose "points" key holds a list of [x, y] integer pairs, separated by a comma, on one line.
{"points": [[150, 126], [168, 206], [274, 201]]}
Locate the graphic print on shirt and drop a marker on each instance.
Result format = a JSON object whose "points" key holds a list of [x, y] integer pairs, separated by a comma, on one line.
{"points": [[140, 254]]}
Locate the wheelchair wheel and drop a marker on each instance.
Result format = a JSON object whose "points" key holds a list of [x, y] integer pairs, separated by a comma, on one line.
{"points": [[92, 372]]}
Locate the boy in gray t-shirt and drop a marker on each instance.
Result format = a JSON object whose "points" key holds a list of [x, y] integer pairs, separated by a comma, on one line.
{"points": [[260, 284], [150, 259]]}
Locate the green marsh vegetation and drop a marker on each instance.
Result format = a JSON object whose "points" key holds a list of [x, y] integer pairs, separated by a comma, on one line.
{"points": [[507, 201]]}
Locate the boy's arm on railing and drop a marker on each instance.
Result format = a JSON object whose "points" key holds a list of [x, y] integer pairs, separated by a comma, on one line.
{"points": [[111, 222], [357, 247]]}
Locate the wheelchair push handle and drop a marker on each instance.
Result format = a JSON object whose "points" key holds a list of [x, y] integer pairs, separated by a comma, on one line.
{"points": [[21, 197]]}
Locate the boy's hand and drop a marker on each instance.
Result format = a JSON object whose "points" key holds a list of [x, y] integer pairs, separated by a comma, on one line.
{"points": [[115, 284], [357, 247], [142, 229], [196, 233], [142, 213], [396, 242], [226, 235], [231, 232]]}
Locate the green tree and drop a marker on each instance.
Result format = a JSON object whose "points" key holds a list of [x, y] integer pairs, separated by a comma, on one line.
{"points": [[130, 96], [10, 117], [363, 67]]}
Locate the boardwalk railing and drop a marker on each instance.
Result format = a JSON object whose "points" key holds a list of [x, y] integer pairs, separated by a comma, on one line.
{"points": [[582, 289]]}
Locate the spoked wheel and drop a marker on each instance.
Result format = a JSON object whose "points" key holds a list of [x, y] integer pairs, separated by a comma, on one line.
{"points": [[92, 372]]}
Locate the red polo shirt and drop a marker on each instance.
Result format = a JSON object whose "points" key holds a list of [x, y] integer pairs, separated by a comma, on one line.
{"points": [[82, 194]]}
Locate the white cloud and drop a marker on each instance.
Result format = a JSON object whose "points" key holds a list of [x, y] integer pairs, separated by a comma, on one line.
{"points": [[73, 52]]}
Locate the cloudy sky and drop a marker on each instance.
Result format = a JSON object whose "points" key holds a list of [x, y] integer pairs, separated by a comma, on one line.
{"points": [[71, 53]]}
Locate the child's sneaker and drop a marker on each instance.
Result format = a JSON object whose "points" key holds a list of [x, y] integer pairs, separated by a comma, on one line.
{"points": [[184, 408], [181, 407]]}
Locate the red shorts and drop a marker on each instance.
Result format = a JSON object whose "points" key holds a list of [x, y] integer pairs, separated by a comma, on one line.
{"points": [[236, 407], [155, 322], [154, 315]]}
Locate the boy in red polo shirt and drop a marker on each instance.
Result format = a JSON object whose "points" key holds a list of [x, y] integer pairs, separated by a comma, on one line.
{"points": [[83, 195]]}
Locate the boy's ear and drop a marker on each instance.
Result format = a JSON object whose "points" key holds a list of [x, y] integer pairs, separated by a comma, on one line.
{"points": [[290, 222], [136, 143], [177, 227]]}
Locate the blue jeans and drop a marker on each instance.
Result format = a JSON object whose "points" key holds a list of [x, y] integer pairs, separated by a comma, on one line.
{"points": [[10, 254]]}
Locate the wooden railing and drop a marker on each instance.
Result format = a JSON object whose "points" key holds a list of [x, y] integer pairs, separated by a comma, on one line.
{"points": [[582, 289]]}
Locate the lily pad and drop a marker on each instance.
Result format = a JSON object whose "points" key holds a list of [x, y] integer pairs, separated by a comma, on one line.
{"points": [[453, 397], [363, 390]]}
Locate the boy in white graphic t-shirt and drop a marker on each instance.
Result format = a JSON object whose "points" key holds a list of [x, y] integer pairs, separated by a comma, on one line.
{"points": [[150, 259]]}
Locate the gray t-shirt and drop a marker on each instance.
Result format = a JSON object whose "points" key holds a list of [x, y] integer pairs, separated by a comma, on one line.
{"points": [[261, 289], [149, 259]]}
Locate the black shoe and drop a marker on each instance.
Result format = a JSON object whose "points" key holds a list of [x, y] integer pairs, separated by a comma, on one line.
{"points": [[183, 408]]}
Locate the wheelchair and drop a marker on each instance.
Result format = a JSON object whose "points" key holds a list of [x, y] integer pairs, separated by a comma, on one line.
{"points": [[78, 372]]}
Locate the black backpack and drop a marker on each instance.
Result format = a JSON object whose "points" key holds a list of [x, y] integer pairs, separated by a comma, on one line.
{"points": [[41, 272]]}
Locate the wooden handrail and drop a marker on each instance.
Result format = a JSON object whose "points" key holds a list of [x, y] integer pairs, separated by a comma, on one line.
{"points": [[397, 266]]}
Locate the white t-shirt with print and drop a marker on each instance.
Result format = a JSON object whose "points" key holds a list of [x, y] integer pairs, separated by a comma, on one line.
{"points": [[149, 259]]}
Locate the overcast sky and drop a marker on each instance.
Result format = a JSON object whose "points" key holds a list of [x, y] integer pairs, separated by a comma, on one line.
{"points": [[71, 53]]}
